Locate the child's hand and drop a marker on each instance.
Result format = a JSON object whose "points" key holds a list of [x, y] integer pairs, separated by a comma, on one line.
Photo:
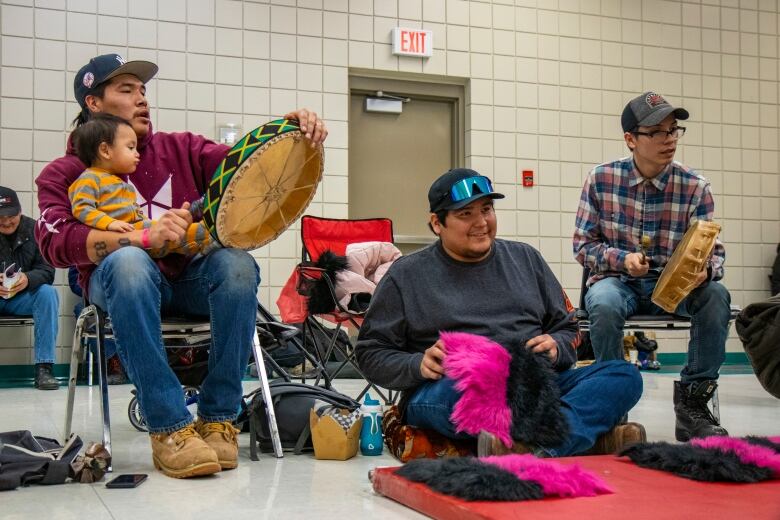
{"points": [[118, 225]]}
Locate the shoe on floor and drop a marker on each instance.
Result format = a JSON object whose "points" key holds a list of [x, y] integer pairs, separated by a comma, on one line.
{"points": [[619, 437], [222, 437], [693, 417], [44, 379], [488, 445], [183, 454]]}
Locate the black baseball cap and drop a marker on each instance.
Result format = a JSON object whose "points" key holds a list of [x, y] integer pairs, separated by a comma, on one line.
{"points": [[649, 109], [459, 187], [9, 203], [104, 67]]}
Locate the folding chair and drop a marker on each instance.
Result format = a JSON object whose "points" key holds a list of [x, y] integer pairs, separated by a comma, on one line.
{"points": [[647, 322], [323, 234], [7, 320], [172, 328]]}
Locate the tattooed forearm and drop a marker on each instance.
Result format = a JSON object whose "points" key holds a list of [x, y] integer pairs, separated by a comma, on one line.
{"points": [[101, 250], [124, 242]]}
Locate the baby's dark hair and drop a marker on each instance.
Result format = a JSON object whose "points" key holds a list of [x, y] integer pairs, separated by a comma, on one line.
{"points": [[100, 128]]}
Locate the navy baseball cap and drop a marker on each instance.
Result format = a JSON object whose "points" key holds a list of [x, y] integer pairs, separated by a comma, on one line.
{"points": [[648, 109], [9, 203], [459, 187], [102, 68]]}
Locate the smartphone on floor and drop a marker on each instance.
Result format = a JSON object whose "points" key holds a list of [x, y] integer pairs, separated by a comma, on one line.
{"points": [[130, 480]]}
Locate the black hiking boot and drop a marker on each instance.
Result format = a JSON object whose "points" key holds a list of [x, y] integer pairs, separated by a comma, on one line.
{"points": [[694, 418]]}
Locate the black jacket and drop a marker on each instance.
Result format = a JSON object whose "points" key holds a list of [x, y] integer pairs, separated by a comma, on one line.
{"points": [[758, 326], [21, 249]]}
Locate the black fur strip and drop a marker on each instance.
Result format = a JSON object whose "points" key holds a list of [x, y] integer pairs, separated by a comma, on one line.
{"points": [[695, 463], [763, 441], [534, 400], [320, 300], [470, 479]]}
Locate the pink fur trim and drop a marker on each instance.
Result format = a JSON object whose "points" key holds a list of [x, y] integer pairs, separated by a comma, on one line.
{"points": [[748, 453], [554, 477], [480, 368]]}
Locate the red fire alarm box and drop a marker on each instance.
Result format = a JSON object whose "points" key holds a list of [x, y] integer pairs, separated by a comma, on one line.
{"points": [[528, 178]]}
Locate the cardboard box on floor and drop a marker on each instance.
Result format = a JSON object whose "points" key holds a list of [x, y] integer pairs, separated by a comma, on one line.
{"points": [[330, 440]]}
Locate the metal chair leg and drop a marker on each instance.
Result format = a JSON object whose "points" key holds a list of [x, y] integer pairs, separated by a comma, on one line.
{"points": [[103, 380], [75, 359], [715, 405], [266, 389]]}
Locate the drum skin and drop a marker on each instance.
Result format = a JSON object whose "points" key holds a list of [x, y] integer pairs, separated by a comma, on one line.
{"points": [[263, 185], [690, 257]]}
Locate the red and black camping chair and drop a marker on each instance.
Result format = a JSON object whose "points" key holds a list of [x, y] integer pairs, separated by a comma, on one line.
{"points": [[319, 235]]}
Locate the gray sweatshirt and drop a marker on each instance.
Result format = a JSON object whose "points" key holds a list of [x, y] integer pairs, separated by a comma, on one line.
{"points": [[510, 297]]}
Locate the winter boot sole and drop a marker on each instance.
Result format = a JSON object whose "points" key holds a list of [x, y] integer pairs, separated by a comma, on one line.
{"points": [[197, 470]]}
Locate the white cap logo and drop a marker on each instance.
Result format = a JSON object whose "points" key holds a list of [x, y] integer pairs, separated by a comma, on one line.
{"points": [[120, 59], [88, 80]]}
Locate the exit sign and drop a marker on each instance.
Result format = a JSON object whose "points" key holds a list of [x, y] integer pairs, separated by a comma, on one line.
{"points": [[412, 42]]}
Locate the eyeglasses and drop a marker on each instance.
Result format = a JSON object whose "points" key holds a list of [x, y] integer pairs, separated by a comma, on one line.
{"points": [[466, 188], [659, 136]]}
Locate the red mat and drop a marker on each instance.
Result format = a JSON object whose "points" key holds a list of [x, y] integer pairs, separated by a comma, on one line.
{"points": [[638, 494]]}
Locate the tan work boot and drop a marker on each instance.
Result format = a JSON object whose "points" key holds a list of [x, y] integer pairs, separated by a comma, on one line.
{"points": [[488, 445], [619, 437], [222, 437], [183, 454]]}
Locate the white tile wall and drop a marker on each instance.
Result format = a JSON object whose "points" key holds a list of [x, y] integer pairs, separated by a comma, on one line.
{"points": [[546, 82]]}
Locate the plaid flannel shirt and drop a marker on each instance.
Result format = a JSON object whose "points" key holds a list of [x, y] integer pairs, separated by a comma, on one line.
{"points": [[618, 206]]}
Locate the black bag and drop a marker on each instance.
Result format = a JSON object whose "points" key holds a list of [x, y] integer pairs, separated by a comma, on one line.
{"points": [[26, 459], [292, 403]]}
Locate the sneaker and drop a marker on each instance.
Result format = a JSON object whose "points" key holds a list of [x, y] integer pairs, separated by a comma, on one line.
{"points": [[619, 437], [488, 445], [44, 379], [183, 454], [222, 437]]}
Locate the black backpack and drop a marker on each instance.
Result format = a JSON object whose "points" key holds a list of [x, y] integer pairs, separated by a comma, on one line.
{"points": [[26, 459], [292, 403]]}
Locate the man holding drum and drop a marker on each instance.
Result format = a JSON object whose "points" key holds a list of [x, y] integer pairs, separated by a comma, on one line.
{"points": [[633, 212], [120, 277]]}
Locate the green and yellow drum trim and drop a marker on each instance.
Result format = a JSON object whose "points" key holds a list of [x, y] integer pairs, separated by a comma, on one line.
{"points": [[263, 184]]}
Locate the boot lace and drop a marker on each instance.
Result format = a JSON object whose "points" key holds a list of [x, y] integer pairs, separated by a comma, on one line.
{"points": [[180, 436], [224, 428], [699, 410]]}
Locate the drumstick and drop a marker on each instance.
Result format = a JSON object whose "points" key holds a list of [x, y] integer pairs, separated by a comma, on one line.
{"points": [[645, 247]]}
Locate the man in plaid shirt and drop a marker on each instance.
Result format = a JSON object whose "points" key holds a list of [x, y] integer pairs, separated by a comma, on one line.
{"points": [[648, 194]]}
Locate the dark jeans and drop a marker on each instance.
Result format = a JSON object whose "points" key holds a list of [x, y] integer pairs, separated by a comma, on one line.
{"points": [[593, 400], [611, 300]]}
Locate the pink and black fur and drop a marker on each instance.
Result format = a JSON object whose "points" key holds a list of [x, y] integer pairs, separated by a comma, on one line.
{"points": [[509, 393], [506, 478], [713, 459]]}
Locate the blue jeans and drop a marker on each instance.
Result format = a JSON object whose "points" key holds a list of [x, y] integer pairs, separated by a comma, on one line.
{"points": [[593, 400], [43, 304], [611, 300], [222, 285]]}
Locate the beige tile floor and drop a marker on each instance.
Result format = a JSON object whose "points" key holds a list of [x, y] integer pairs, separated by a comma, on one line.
{"points": [[290, 488]]}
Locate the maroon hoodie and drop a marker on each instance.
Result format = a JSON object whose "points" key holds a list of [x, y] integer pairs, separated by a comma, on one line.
{"points": [[174, 168]]}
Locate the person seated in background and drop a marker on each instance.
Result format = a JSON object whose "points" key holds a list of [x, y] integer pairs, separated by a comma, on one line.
{"points": [[469, 281], [116, 373], [32, 292], [649, 195]]}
